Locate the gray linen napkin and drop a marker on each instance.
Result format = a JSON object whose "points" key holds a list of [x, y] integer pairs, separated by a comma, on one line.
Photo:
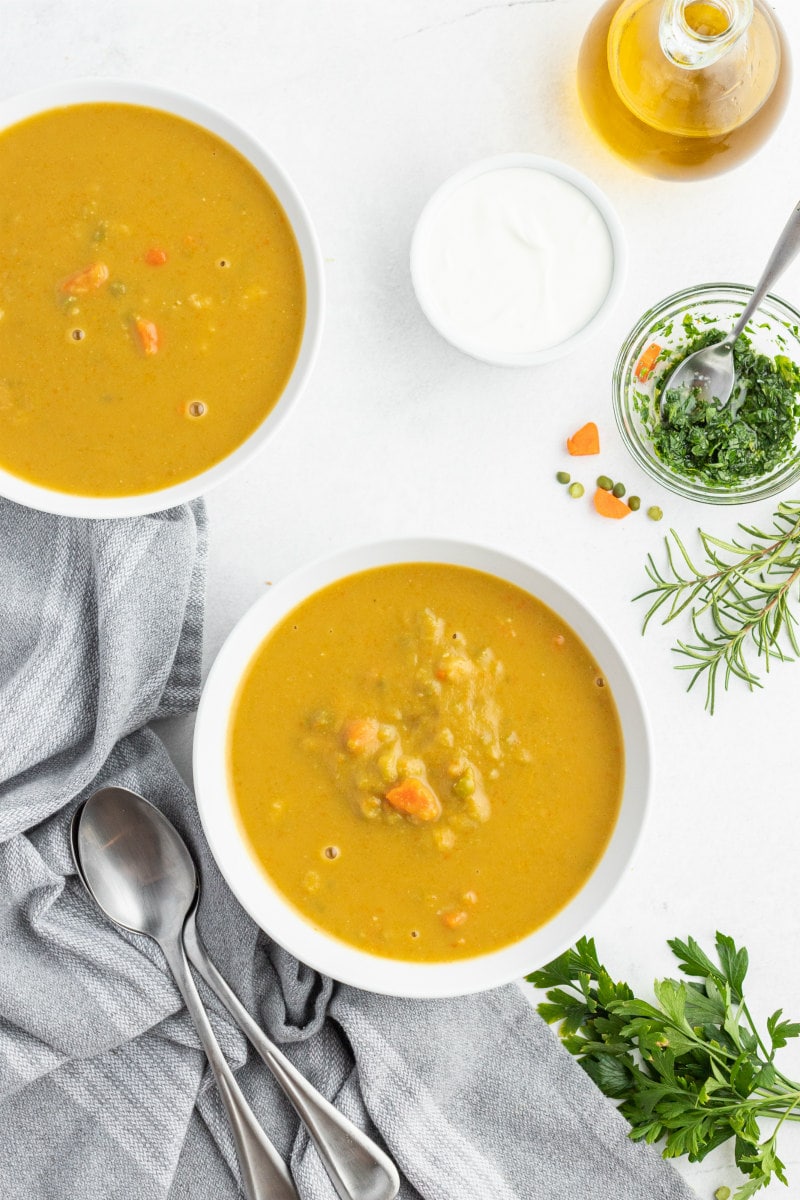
{"points": [[103, 1089]]}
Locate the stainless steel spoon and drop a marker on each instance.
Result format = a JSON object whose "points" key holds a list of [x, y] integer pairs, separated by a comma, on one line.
{"points": [[358, 1169], [710, 370], [141, 874]]}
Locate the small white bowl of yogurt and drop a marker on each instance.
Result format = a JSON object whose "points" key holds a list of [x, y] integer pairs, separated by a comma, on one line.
{"points": [[518, 259]]}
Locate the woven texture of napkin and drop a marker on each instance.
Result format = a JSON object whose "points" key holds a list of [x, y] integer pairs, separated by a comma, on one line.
{"points": [[103, 1089]]}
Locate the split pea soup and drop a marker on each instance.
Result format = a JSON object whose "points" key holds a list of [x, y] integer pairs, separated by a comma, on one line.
{"points": [[426, 761], [152, 299]]}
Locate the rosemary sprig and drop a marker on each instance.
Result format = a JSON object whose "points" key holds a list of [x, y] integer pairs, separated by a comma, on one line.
{"points": [[691, 1070], [738, 602]]}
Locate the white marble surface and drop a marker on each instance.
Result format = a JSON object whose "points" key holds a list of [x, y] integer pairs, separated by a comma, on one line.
{"points": [[370, 106]]}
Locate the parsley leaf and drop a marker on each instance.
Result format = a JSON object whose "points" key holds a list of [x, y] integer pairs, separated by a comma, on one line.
{"points": [[691, 1070]]}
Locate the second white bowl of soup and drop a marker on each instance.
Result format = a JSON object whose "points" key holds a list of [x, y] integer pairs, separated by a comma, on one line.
{"points": [[162, 298], [422, 766]]}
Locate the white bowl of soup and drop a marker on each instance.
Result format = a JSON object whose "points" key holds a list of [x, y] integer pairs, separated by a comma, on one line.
{"points": [[161, 298], [422, 766]]}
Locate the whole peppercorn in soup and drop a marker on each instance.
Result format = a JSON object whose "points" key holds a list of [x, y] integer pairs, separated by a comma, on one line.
{"points": [[152, 299], [426, 761]]}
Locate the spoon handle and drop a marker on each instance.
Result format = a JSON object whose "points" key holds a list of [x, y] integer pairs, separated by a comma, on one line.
{"points": [[358, 1169], [264, 1174], [786, 249]]}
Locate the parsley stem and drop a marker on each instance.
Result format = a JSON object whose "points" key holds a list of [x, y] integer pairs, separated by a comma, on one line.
{"points": [[692, 1069]]}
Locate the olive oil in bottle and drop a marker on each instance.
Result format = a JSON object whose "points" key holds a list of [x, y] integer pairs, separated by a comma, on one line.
{"points": [[684, 88]]}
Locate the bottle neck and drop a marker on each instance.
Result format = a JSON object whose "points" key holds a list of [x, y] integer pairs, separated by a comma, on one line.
{"points": [[697, 33]]}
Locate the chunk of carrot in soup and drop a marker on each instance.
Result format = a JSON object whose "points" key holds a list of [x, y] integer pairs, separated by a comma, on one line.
{"points": [[155, 256], [360, 736], [455, 918], [147, 333], [88, 279], [415, 799]]}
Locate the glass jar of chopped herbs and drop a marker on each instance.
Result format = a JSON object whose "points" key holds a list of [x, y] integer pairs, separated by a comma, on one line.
{"points": [[748, 449]]}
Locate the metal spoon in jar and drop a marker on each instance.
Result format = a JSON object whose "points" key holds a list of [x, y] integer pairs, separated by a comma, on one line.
{"points": [[137, 867], [710, 371]]}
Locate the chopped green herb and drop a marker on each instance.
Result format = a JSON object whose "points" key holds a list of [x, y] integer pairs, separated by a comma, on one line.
{"points": [[690, 1068], [724, 446]]}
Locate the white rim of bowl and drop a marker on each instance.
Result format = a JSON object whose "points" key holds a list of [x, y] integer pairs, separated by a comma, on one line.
{"points": [[570, 175], [14, 109], [266, 904]]}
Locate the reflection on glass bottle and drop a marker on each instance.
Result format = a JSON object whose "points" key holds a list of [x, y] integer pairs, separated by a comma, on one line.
{"points": [[684, 88]]}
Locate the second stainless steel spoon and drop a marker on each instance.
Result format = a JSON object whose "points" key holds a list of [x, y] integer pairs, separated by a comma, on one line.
{"points": [[358, 1169], [141, 874]]}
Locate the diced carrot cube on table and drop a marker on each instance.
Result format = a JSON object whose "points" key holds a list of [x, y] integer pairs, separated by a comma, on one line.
{"points": [[585, 441], [609, 505]]}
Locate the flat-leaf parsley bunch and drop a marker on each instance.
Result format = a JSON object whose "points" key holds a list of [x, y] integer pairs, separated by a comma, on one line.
{"points": [[692, 1070]]}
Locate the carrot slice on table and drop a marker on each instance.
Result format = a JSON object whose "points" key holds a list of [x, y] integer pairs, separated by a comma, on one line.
{"points": [[147, 333], [88, 279], [609, 505], [155, 256], [644, 367], [415, 799], [585, 441]]}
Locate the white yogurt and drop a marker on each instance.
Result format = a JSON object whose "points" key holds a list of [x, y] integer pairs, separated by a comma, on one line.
{"points": [[513, 261]]}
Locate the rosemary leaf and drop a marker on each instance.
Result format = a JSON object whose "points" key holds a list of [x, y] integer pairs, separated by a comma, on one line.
{"points": [[742, 601]]}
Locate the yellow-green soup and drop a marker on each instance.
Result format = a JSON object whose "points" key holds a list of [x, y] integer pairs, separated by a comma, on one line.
{"points": [[152, 299], [426, 761]]}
